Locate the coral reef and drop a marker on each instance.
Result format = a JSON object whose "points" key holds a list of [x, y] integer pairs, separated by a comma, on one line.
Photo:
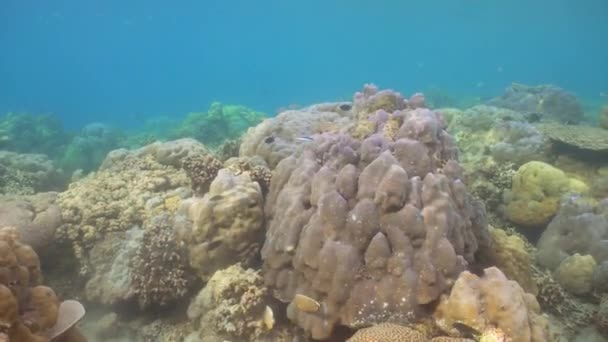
{"points": [[30, 311], [218, 124], [586, 138], [224, 226], [510, 254], [536, 192], [492, 143], [26, 174], [130, 188], [255, 167], [27, 133], [575, 273], [232, 307], [396, 212], [201, 169], [578, 227], [160, 270], [88, 149], [278, 137], [37, 218], [492, 300], [549, 101]]}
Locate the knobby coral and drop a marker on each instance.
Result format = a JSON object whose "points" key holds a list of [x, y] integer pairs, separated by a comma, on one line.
{"points": [[396, 211]]}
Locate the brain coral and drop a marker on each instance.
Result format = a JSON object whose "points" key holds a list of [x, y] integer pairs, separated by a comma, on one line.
{"points": [[369, 230], [536, 192], [492, 300]]}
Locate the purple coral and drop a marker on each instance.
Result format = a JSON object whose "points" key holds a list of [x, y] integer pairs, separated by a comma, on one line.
{"points": [[372, 230]]}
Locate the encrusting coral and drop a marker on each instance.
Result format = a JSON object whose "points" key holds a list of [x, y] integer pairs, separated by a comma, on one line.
{"points": [[29, 311], [372, 230]]}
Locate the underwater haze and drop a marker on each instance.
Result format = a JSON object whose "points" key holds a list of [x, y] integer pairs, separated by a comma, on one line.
{"points": [[122, 61]]}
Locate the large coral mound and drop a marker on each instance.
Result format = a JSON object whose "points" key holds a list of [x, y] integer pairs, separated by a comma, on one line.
{"points": [[492, 300], [130, 188], [369, 231], [29, 311], [536, 192]]}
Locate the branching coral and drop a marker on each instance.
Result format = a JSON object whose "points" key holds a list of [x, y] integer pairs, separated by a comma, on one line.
{"points": [[201, 169], [160, 271]]}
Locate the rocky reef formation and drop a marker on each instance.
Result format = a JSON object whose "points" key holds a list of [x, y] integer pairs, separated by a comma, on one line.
{"points": [[548, 101], [278, 137], [218, 124], [27, 174], [370, 230]]}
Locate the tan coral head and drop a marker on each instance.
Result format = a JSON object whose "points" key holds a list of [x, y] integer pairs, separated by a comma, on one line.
{"points": [[70, 313]]}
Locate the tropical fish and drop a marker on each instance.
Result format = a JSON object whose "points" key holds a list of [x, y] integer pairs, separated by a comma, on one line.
{"points": [[304, 138]]}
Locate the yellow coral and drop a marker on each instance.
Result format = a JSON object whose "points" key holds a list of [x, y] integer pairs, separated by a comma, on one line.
{"points": [[509, 254], [536, 191], [575, 273], [172, 203]]}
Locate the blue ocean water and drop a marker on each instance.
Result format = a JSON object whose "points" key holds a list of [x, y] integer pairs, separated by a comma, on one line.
{"points": [[122, 61]]}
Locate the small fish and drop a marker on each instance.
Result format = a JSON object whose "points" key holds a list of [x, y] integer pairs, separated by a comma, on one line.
{"points": [[603, 94], [304, 138]]}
